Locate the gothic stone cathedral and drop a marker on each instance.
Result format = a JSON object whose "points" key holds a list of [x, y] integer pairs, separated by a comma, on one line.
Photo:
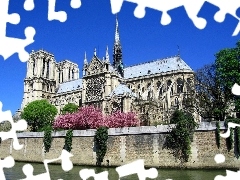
{"points": [[152, 89]]}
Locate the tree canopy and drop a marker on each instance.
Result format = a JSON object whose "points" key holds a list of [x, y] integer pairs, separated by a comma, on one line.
{"points": [[69, 108], [212, 97], [228, 73], [39, 114]]}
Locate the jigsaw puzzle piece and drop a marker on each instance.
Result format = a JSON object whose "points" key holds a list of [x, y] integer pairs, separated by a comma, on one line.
{"points": [[236, 89], [192, 9], [226, 7], [230, 125], [29, 5], [18, 126], [13, 18], [159, 5], [66, 163], [87, 173], [28, 171], [75, 4], [17, 45], [53, 15], [137, 167], [8, 162], [116, 6], [230, 175], [9, 46]]}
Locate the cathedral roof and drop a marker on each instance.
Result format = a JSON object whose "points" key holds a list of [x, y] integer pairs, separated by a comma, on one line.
{"points": [[70, 86], [155, 67], [120, 90]]}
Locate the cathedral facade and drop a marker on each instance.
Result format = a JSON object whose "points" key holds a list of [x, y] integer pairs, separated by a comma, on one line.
{"points": [[152, 89]]}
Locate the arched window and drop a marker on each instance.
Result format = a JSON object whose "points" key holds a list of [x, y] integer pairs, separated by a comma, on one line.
{"points": [[59, 76], [43, 68], [169, 84], [80, 102], [189, 84], [47, 75], [158, 84], [160, 92], [72, 74], [149, 95], [34, 64], [179, 85], [176, 101], [69, 73]]}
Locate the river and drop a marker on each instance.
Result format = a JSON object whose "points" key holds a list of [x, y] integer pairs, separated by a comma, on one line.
{"points": [[56, 172]]}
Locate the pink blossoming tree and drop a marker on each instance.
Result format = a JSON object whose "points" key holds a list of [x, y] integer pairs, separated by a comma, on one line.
{"points": [[89, 117]]}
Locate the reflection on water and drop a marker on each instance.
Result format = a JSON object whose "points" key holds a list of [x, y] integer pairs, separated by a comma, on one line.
{"points": [[56, 172]]}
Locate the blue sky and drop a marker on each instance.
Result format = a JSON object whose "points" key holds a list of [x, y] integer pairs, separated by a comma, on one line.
{"points": [[93, 26]]}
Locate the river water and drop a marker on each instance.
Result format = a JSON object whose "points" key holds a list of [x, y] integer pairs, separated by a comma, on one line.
{"points": [[56, 172]]}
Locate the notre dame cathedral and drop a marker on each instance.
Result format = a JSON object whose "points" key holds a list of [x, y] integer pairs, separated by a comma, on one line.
{"points": [[153, 89]]}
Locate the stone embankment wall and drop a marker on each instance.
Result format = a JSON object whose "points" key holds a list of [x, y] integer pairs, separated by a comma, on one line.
{"points": [[125, 145]]}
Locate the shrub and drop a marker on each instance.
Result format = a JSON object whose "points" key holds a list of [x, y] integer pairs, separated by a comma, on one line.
{"points": [[69, 108]]}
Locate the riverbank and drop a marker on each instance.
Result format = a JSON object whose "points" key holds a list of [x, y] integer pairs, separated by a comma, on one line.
{"points": [[126, 145]]}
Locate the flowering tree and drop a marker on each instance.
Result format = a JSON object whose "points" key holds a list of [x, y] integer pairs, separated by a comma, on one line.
{"points": [[86, 117], [121, 119], [90, 117]]}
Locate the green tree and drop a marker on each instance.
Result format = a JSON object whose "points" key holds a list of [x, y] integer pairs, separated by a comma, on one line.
{"points": [[180, 137], [39, 114], [227, 72], [208, 99], [212, 97], [69, 108], [177, 116]]}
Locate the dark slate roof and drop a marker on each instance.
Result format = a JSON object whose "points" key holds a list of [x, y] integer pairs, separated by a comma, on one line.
{"points": [[120, 90], [155, 67], [70, 86]]}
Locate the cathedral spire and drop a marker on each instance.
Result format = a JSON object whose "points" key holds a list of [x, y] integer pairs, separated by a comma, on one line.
{"points": [[85, 58], [117, 51], [107, 55], [95, 52], [117, 37]]}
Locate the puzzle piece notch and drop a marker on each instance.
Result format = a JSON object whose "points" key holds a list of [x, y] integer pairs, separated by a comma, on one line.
{"points": [[236, 89], [230, 175], [137, 167], [8, 45], [75, 4], [53, 15], [163, 6], [29, 5], [230, 125], [219, 158], [18, 126], [87, 173], [60, 15], [7, 162], [66, 163], [192, 9]]}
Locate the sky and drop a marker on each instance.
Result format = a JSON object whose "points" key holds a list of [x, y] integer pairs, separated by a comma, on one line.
{"points": [[93, 26]]}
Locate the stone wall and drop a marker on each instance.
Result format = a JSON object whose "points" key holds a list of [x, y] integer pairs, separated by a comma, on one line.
{"points": [[125, 145]]}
